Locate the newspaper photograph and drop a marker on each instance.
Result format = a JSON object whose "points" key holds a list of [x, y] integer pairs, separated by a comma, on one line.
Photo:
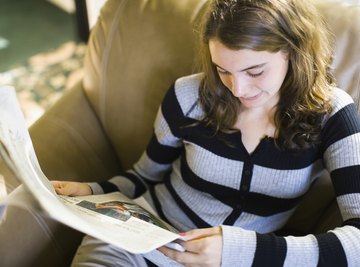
{"points": [[129, 224]]}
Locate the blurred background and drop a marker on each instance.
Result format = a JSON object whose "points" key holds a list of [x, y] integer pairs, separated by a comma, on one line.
{"points": [[42, 45]]}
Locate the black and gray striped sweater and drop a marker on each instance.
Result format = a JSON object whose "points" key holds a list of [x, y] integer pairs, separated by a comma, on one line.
{"points": [[197, 180]]}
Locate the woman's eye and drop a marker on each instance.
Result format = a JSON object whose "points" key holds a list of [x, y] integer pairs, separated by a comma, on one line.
{"points": [[255, 74]]}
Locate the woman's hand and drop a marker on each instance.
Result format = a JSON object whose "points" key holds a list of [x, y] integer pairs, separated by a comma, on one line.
{"points": [[71, 188], [203, 248]]}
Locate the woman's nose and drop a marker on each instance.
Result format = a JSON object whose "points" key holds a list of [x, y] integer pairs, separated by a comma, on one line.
{"points": [[239, 87]]}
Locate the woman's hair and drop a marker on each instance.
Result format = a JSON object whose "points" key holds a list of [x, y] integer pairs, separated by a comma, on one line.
{"points": [[291, 26]]}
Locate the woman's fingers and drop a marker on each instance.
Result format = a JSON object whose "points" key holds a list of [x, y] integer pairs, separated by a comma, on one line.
{"points": [[71, 188], [203, 248]]}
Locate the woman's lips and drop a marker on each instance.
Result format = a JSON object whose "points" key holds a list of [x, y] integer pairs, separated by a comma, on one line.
{"points": [[252, 97]]}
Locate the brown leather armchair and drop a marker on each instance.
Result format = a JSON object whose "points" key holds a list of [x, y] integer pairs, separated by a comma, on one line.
{"points": [[135, 52]]}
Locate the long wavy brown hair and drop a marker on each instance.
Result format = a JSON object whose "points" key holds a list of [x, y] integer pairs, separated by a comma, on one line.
{"points": [[291, 26]]}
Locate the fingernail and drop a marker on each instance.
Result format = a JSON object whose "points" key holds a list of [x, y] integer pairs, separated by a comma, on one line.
{"points": [[182, 234]]}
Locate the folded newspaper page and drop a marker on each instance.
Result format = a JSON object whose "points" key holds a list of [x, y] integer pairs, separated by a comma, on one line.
{"points": [[112, 218]]}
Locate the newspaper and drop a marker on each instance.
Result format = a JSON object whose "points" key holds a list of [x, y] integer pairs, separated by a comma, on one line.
{"points": [[113, 218]]}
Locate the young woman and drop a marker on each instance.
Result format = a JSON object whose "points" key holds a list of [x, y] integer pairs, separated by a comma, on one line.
{"points": [[236, 146]]}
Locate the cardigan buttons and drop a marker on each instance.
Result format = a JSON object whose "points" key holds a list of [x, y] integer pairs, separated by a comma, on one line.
{"points": [[247, 172]]}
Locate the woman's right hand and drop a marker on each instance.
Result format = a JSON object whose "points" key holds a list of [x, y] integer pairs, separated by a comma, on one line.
{"points": [[71, 188]]}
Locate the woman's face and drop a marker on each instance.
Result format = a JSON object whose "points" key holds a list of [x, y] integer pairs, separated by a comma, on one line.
{"points": [[254, 77]]}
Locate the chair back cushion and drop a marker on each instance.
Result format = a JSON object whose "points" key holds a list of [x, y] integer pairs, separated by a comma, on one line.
{"points": [[136, 51]]}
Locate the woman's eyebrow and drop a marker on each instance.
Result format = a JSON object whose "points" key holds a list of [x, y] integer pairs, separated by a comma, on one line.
{"points": [[248, 68], [254, 67]]}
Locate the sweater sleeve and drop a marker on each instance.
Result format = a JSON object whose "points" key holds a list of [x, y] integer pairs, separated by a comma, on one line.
{"points": [[163, 149], [247, 248], [337, 247]]}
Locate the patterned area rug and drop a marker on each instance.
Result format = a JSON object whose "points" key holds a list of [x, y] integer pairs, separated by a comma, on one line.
{"points": [[43, 79]]}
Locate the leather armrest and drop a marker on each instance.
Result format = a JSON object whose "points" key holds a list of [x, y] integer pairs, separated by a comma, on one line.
{"points": [[30, 238], [71, 145], [70, 142]]}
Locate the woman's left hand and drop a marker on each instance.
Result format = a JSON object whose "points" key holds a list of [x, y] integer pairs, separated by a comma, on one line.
{"points": [[203, 248]]}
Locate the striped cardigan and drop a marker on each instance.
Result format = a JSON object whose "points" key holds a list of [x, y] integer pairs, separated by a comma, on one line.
{"points": [[196, 180]]}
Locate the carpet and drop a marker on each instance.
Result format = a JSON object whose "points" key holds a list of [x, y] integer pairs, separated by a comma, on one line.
{"points": [[44, 78]]}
